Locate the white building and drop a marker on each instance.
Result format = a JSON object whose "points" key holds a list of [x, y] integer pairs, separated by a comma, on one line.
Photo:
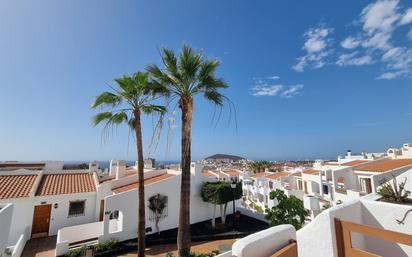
{"points": [[118, 208], [45, 201], [362, 227], [334, 183], [257, 188]]}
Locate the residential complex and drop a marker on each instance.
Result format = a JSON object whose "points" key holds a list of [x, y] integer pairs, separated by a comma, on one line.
{"points": [[87, 206]]}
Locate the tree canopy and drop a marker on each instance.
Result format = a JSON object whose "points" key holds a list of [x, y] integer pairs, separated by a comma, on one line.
{"points": [[289, 210], [220, 192]]}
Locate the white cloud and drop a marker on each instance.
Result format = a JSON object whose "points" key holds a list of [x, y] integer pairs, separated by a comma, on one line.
{"points": [[292, 91], [264, 88], [407, 17], [274, 77], [380, 17], [316, 47], [352, 59], [267, 90], [389, 75], [350, 43]]}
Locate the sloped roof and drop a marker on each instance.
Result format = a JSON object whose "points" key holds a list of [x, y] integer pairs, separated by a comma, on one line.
{"points": [[354, 163], [278, 175], [16, 186], [311, 171], [148, 181], [384, 165]]}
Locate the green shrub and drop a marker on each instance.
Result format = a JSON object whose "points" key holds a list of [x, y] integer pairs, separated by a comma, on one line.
{"points": [[110, 244], [77, 252], [394, 193]]}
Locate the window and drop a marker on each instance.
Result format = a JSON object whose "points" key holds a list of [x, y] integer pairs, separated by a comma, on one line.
{"points": [[76, 208], [325, 189]]}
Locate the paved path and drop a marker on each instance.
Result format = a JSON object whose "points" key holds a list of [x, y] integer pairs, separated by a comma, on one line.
{"points": [[198, 247], [40, 247], [44, 247]]}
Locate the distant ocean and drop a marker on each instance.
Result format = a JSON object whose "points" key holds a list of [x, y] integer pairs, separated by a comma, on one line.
{"points": [[105, 164]]}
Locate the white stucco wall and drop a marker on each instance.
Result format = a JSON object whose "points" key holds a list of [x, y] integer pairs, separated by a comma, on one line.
{"points": [[265, 242], [6, 213], [127, 203], [24, 209]]}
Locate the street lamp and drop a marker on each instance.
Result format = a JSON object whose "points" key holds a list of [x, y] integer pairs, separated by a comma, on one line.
{"points": [[233, 186]]}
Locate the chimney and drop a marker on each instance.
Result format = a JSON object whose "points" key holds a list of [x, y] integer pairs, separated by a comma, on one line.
{"points": [[93, 166], [121, 169], [349, 154]]}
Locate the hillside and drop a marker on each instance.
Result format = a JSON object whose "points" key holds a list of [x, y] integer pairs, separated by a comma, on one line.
{"points": [[225, 156]]}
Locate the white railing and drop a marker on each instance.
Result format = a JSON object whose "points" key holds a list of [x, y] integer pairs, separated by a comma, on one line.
{"points": [[21, 243]]}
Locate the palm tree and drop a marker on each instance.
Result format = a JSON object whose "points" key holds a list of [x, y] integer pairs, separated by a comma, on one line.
{"points": [[182, 78], [131, 96]]}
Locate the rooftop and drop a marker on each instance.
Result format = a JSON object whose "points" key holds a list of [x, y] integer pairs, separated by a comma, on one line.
{"points": [[311, 171], [56, 184], [147, 181], [384, 165], [278, 175], [354, 163], [16, 186]]}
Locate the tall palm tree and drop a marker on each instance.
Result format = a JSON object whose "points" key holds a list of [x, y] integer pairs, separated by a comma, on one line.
{"points": [[182, 78], [131, 97]]}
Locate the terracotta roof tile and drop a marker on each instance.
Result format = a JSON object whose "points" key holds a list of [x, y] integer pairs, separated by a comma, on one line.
{"points": [[148, 181], [261, 174], [299, 174], [16, 186], [384, 165], [311, 172], [208, 174], [57, 184], [354, 163], [232, 173], [278, 175]]}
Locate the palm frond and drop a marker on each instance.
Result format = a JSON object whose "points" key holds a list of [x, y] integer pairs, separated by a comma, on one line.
{"points": [[100, 117], [149, 109], [106, 99]]}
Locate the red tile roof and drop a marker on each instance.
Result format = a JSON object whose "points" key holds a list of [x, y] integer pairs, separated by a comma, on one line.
{"points": [[148, 181], [354, 163], [311, 171], [58, 184], [208, 174], [232, 173], [278, 175], [16, 186], [384, 165], [261, 174], [299, 174]]}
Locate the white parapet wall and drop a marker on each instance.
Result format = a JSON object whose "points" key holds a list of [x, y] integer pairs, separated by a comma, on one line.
{"points": [[263, 243], [6, 212]]}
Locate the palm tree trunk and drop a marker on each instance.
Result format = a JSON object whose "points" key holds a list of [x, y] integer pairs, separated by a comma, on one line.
{"points": [[140, 165], [183, 235]]}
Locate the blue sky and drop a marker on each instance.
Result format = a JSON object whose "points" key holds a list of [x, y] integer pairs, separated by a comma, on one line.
{"points": [[309, 79]]}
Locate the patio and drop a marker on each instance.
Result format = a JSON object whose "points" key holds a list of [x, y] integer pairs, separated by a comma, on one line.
{"points": [[40, 247], [44, 247], [198, 247]]}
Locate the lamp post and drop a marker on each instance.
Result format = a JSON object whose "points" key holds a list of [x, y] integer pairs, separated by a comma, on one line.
{"points": [[233, 186]]}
